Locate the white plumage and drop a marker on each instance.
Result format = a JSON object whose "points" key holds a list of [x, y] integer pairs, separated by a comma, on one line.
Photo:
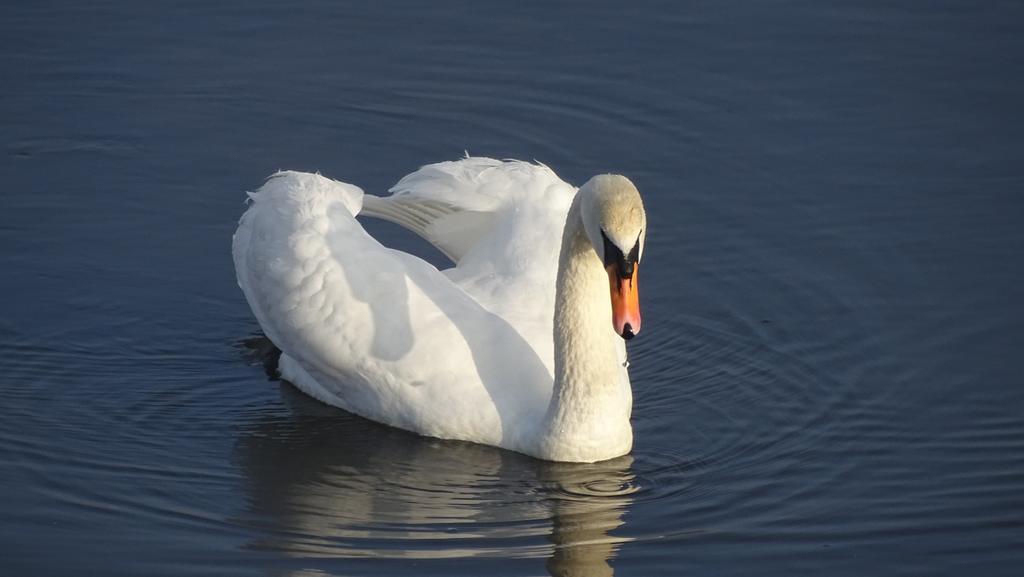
{"points": [[465, 353]]}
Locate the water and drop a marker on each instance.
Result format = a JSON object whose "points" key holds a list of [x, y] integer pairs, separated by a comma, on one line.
{"points": [[829, 380]]}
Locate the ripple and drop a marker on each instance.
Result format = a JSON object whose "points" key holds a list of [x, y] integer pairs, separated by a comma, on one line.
{"points": [[92, 436], [742, 398], [734, 409]]}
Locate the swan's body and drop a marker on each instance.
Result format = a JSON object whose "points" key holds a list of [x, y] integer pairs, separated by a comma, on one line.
{"points": [[487, 351]]}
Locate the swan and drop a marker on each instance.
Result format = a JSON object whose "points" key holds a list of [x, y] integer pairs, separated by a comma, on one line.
{"points": [[519, 345]]}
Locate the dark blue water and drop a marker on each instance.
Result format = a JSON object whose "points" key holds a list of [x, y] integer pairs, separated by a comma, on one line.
{"points": [[829, 381]]}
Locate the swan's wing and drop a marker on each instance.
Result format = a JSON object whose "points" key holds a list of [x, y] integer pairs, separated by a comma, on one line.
{"points": [[455, 205], [501, 222], [377, 331]]}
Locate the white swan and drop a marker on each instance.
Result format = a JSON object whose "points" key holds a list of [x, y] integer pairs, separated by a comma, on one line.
{"points": [[515, 346]]}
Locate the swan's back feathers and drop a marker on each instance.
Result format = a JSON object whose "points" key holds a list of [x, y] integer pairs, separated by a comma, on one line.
{"points": [[454, 204], [350, 316], [452, 230]]}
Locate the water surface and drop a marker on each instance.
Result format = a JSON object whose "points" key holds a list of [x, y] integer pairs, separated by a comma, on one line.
{"points": [[829, 380]]}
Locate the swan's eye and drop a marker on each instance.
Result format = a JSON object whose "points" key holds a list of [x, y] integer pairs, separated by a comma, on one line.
{"points": [[613, 256], [634, 254]]}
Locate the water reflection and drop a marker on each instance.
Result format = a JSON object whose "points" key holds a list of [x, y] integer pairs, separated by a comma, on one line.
{"points": [[323, 484]]}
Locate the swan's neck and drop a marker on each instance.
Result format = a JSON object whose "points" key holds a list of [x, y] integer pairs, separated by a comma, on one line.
{"points": [[588, 419]]}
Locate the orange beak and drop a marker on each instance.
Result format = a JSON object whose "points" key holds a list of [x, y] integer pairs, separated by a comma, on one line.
{"points": [[625, 302]]}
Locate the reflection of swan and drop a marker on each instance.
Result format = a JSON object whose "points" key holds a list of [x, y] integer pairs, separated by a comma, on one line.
{"points": [[580, 524], [323, 485], [511, 347]]}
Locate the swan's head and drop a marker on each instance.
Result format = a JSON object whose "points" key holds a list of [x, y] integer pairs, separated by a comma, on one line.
{"points": [[615, 221]]}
